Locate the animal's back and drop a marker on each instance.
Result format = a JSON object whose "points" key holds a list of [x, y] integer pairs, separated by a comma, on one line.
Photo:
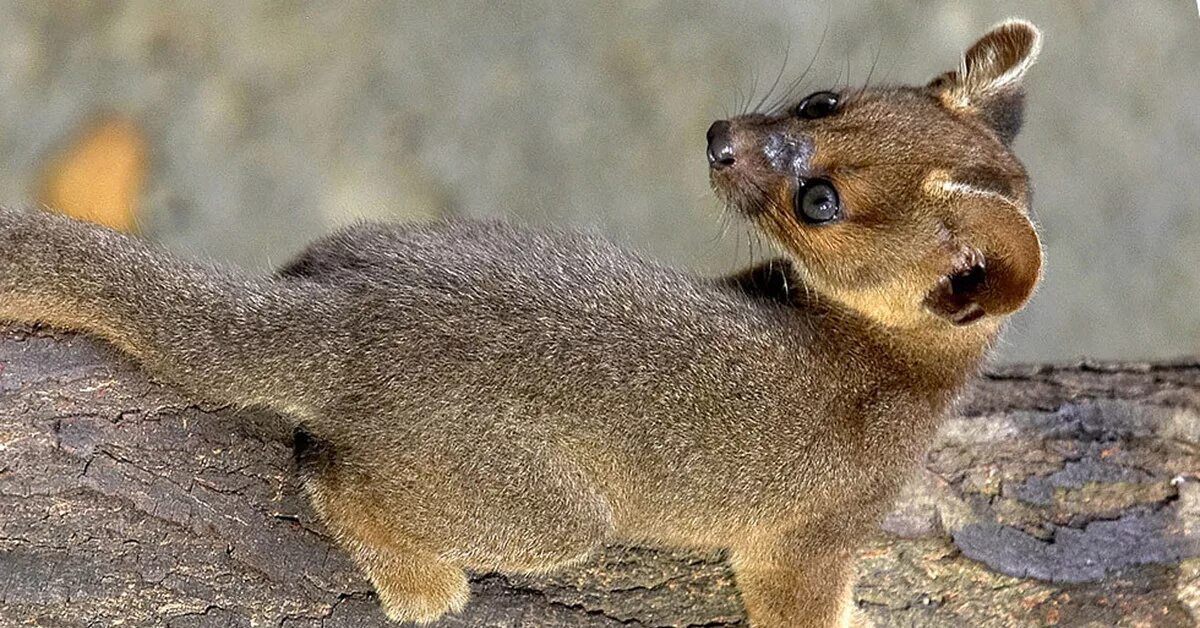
{"points": [[562, 343]]}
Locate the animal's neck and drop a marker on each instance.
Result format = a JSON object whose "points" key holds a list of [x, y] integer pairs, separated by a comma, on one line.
{"points": [[934, 360], [928, 357]]}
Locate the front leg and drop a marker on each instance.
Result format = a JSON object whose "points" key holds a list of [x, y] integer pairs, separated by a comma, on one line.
{"points": [[803, 580]]}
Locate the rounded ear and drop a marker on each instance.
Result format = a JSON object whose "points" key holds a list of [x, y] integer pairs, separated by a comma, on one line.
{"points": [[997, 263], [988, 80]]}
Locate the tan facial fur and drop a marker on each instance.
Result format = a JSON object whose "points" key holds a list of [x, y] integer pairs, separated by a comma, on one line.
{"points": [[926, 178]]}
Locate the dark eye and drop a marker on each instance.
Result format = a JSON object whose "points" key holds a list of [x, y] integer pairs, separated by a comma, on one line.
{"points": [[817, 105], [817, 202]]}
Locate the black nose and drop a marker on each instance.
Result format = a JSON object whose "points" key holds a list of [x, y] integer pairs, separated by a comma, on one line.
{"points": [[720, 145]]}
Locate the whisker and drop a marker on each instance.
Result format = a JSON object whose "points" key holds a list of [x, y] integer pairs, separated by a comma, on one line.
{"points": [[846, 86], [753, 90], [723, 221], [737, 248], [787, 96], [749, 231], [782, 68], [874, 62]]}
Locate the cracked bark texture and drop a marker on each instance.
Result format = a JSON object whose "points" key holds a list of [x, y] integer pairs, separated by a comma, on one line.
{"points": [[1060, 496]]}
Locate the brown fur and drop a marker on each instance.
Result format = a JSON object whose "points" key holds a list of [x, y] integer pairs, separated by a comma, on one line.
{"points": [[477, 397]]}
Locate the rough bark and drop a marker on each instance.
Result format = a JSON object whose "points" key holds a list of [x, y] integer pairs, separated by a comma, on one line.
{"points": [[1063, 495]]}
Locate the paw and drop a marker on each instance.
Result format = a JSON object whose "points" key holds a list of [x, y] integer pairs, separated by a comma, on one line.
{"points": [[422, 595]]}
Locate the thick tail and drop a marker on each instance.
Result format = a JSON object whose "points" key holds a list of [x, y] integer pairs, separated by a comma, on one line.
{"points": [[224, 336]]}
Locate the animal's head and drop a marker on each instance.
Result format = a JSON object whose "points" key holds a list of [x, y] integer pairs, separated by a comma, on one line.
{"points": [[904, 203]]}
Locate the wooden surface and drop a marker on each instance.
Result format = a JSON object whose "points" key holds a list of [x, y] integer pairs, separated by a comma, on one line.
{"points": [[1063, 496]]}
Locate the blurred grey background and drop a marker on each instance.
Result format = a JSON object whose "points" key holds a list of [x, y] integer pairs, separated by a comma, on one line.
{"points": [[269, 123]]}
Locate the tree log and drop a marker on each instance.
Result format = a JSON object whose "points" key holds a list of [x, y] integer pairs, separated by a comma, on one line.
{"points": [[1065, 495]]}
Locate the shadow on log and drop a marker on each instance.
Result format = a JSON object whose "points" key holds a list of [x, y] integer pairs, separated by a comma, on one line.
{"points": [[1063, 495]]}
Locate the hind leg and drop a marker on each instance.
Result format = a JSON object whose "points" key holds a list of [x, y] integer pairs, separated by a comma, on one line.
{"points": [[413, 583], [414, 517], [416, 587]]}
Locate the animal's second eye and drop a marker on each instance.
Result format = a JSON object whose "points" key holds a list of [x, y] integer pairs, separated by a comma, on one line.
{"points": [[817, 202], [817, 105]]}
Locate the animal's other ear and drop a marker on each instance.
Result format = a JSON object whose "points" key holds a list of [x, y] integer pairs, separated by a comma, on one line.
{"points": [[997, 259], [988, 80]]}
